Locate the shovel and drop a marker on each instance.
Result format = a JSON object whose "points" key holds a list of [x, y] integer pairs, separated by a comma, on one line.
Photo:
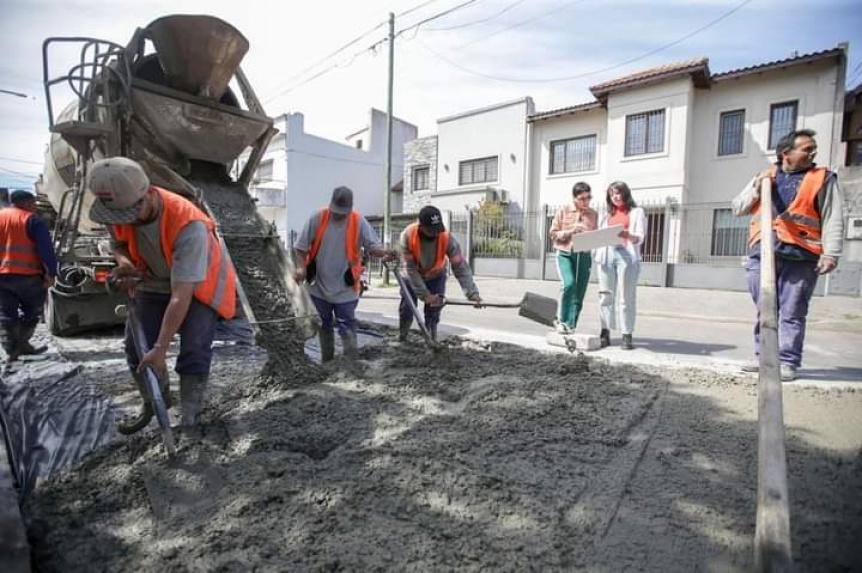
{"points": [[151, 378], [405, 293], [538, 308]]}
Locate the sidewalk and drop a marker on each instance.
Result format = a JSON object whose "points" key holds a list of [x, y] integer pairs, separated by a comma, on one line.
{"points": [[675, 327]]}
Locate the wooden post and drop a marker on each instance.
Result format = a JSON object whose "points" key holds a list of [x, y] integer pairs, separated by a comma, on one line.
{"points": [[772, 550]]}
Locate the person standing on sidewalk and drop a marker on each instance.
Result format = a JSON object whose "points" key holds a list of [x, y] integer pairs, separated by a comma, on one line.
{"points": [[807, 231], [27, 269], [573, 267], [183, 281], [425, 247], [619, 265], [328, 253]]}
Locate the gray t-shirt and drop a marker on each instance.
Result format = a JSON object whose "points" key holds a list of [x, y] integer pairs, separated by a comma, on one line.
{"points": [[332, 257], [190, 257]]}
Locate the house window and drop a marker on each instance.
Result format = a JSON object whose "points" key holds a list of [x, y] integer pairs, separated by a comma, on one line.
{"points": [[782, 120], [731, 130], [477, 171], [729, 234], [420, 178], [645, 133], [264, 172], [573, 155]]}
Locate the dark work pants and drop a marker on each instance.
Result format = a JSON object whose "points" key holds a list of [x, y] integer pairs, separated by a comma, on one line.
{"points": [[342, 315], [21, 300], [196, 332], [795, 282], [436, 285]]}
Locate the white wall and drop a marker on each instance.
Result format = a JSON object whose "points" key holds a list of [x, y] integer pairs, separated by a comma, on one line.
{"points": [[720, 178], [307, 168], [556, 189], [498, 131], [655, 176]]}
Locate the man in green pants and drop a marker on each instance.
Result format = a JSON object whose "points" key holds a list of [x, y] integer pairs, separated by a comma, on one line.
{"points": [[573, 267]]}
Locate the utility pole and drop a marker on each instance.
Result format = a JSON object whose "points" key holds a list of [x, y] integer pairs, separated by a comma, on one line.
{"points": [[387, 193]]}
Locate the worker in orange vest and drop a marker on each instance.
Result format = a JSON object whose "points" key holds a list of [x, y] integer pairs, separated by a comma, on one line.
{"points": [[426, 246], [27, 269], [807, 232], [329, 257], [184, 281]]}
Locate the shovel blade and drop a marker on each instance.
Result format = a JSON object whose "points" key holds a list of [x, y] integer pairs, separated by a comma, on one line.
{"points": [[538, 308]]}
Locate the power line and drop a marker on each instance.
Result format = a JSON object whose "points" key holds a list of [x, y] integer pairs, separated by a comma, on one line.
{"points": [[20, 161], [594, 72], [438, 15], [338, 51], [371, 48], [19, 174], [480, 21], [517, 25]]}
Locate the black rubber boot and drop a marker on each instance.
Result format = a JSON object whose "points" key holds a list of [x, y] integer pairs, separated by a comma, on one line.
{"points": [[9, 337], [432, 330], [24, 346], [192, 388], [627, 342], [350, 345], [138, 423], [326, 336], [404, 329], [604, 338]]}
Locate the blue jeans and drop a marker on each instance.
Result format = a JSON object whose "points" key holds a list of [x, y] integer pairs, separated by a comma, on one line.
{"points": [[795, 282], [341, 314], [196, 332], [21, 299], [618, 282], [436, 285]]}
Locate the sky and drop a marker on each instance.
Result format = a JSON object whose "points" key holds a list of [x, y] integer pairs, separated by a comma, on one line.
{"points": [[480, 53]]}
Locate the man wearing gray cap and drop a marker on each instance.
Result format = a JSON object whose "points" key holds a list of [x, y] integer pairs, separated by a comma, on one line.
{"points": [[426, 245], [167, 248], [329, 258], [27, 269]]}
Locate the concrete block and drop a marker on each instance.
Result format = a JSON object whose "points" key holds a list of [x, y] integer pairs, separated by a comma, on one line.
{"points": [[576, 341]]}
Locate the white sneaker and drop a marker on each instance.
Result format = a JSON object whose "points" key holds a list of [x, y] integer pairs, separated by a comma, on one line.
{"points": [[788, 372]]}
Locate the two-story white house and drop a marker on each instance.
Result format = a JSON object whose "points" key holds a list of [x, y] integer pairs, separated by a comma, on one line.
{"points": [[685, 139], [299, 170]]}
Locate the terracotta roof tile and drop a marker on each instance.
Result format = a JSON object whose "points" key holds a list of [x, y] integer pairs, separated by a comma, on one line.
{"points": [[699, 66], [791, 61]]}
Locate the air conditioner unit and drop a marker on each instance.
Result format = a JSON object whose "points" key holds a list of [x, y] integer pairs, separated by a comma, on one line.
{"points": [[504, 197], [490, 195]]}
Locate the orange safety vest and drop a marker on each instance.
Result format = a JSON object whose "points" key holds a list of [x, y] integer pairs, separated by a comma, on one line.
{"points": [[351, 244], [18, 254], [218, 289], [800, 224], [416, 250]]}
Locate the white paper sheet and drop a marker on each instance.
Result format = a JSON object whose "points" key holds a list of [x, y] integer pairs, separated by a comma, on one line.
{"points": [[594, 239]]}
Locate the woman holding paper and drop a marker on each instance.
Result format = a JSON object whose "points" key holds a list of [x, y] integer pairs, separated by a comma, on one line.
{"points": [[573, 266], [619, 265]]}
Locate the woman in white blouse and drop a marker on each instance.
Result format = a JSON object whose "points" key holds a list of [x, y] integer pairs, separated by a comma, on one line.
{"points": [[619, 265]]}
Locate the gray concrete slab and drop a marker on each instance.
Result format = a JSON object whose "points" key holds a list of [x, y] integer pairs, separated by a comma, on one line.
{"points": [[675, 327]]}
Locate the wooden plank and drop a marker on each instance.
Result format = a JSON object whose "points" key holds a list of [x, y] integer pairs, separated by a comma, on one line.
{"points": [[772, 546]]}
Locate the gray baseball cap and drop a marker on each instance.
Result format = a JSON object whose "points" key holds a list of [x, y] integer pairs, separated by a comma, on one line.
{"points": [[342, 201], [119, 185]]}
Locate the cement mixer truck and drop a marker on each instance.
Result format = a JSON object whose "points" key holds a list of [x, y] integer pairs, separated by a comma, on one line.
{"points": [[168, 100]]}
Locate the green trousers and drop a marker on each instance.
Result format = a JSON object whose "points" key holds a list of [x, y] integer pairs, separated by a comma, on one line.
{"points": [[574, 272]]}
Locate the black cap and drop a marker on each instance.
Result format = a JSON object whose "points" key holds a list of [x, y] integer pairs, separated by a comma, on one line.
{"points": [[20, 196], [431, 219]]}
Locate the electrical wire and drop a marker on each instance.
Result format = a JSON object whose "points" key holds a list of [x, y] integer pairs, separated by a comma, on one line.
{"points": [[480, 21], [517, 25], [594, 72], [438, 15], [20, 161]]}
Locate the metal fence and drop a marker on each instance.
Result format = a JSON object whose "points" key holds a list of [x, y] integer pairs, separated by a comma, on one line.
{"points": [[693, 234]]}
